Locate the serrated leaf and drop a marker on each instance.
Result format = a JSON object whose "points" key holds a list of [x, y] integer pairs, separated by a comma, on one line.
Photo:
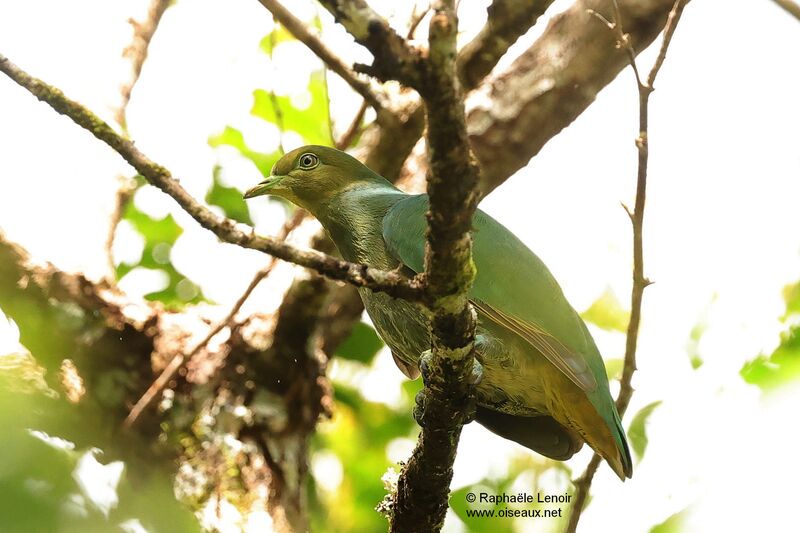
{"points": [[362, 344], [607, 312], [230, 199], [637, 432]]}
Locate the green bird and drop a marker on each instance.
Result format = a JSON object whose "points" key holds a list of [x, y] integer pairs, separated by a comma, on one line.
{"points": [[543, 381]]}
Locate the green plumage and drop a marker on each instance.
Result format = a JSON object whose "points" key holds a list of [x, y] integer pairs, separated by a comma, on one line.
{"points": [[544, 384]]}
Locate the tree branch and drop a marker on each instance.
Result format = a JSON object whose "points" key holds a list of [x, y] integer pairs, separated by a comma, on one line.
{"points": [[640, 282], [177, 361], [398, 134], [420, 501], [394, 58], [542, 92], [507, 21], [299, 29], [61, 313], [791, 7], [136, 53], [391, 283], [553, 82]]}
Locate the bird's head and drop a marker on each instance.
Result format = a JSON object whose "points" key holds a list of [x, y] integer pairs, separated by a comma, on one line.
{"points": [[311, 175]]}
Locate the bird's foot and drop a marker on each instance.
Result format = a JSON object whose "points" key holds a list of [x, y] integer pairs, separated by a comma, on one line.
{"points": [[420, 401]]}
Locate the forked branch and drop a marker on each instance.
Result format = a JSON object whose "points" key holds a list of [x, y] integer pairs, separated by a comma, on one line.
{"points": [[640, 282]]}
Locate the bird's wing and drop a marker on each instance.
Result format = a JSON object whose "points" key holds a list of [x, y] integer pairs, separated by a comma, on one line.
{"points": [[512, 288]]}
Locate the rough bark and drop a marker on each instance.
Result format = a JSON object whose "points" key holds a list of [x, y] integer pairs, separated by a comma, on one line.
{"points": [[420, 501], [553, 82]]}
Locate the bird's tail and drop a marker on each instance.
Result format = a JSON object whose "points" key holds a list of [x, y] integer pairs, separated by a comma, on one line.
{"points": [[621, 461]]}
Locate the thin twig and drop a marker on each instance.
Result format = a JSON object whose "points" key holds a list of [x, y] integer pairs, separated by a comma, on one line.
{"points": [[125, 189], [136, 53], [393, 57], [390, 282], [416, 18], [793, 8], [300, 30], [640, 282], [176, 362], [349, 136]]}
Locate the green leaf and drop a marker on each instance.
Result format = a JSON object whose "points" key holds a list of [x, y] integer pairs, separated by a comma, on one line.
{"points": [[676, 523], [607, 312], [274, 38], [230, 199], [779, 368], [159, 236], [153, 230], [693, 346], [791, 294], [783, 365], [358, 436], [460, 506], [637, 432], [311, 122], [234, 138], [614, 368], [362, 344]]}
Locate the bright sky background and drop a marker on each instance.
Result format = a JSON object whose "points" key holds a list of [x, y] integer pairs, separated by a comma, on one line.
{"points": [[721, 237]]}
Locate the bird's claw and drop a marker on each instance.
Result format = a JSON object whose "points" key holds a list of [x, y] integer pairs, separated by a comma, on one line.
{"points": [[424, 365], [419, 408], [474, 379]]}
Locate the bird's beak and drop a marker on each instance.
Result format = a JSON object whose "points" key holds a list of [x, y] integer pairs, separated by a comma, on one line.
{"points": [[263, 187]]}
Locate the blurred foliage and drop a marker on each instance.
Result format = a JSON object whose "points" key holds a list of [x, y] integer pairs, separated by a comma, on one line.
{"points": [[697, 332], [782, 366], [362, 344], [274, 38], [230, 199], [607, 312], [637, 431], [159, 237], [614, 368], [234, 138], [358, 435], [305, 114], [676, 523], [48, 485]]}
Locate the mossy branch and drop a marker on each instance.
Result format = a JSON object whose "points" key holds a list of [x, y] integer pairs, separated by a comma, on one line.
{"points": [[420, 501], [229, 231]]}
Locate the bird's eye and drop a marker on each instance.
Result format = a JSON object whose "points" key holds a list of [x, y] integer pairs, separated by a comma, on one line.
{"points": [[308, 161]]}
